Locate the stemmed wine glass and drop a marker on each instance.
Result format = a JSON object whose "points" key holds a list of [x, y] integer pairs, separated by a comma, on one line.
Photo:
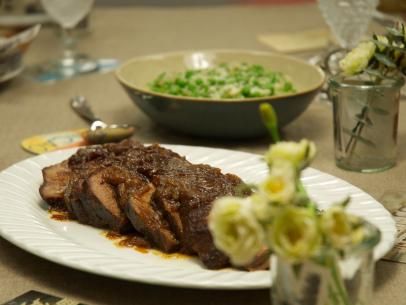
{"points": [[67, 13], [348, 21]]}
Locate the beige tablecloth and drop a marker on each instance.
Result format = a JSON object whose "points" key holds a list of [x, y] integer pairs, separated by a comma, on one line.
{"points": [[28, 108]]}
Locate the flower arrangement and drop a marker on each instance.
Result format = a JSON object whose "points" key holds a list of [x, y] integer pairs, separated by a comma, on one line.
{"points": [[281, 216], [383, 56], [374, 70]]}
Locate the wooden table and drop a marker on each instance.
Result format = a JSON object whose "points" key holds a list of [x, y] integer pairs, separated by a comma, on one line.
{"points": [[28, 108]]}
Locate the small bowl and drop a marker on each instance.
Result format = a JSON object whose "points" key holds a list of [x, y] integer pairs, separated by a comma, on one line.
{"points": [[220, 118], [14, 42]]}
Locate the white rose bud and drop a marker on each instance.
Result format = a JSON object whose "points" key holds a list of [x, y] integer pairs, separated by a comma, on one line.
{"points": [[300, 154], [263, 209], [384, 40], [358, 58], [235, 229], [294, 233], [280, 185], [342, 230]]}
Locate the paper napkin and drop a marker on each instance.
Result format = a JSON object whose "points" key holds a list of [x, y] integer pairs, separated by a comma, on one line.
{"points": [[296, 41]]}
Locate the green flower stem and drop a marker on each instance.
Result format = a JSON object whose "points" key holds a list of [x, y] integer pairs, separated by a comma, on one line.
{"points": [[270, 120], [301, 190], [359, 126], [333, 298], [337, 280], [356, 131]]}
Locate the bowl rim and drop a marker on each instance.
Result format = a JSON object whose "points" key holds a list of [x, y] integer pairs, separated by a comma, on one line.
{"points": [[210, 100]]}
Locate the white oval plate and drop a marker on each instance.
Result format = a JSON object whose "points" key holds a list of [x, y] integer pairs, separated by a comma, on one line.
{"points": [[25, 222]]}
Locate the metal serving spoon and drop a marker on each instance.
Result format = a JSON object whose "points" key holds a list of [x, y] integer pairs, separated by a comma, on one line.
{"points": [[99, 131]]}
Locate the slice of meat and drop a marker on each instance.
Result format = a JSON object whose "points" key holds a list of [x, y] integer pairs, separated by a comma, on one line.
{"points": [[198, 237], [84, 163], [56, 178], [101, 197], [72, 199], [136, 199], [166, 197], [202, 185]]}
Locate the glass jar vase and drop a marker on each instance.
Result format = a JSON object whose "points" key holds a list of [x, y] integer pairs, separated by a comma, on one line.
{"points": [[365, 122], [328, 279]]}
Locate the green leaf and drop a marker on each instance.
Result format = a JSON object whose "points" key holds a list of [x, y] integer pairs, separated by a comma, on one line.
{"points": [[386, 60], [359, 138], [389, 46], [375, 72], [344, 203], [379, 92], [366, 121], [362, 103], [395, 32], [379, 111]]}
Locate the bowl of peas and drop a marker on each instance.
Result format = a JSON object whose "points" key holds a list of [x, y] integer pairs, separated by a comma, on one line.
{"points": [[217, 93]]}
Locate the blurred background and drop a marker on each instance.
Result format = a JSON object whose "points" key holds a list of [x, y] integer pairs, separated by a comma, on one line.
{"points": [[16, 15], [33, 9], [30, 6]]}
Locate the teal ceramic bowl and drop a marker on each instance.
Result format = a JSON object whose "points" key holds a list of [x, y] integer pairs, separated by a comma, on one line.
{"points": [[220, 118]]}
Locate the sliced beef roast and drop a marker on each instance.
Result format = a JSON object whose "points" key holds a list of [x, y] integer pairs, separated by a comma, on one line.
{"points": [[56, 178], [100, 195], [136, 198], [149, 189]]}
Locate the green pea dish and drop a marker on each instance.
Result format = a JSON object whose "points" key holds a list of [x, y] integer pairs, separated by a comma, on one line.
{"points": [[217, 93], [224, 81]]}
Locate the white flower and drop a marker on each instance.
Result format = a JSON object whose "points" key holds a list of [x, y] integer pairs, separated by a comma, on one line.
{"points": [[280, 185], [358, 58], [341, 229], [235, 229], [294, 233], [263, 209], [300, 154], [384, 40]]}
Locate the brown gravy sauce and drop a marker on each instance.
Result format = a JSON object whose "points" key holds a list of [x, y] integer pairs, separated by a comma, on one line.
{"points": [[133, 240], [58, 214], [139, 244]]}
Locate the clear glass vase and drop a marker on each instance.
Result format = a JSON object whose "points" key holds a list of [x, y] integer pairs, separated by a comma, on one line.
{"points": [[328, 279], [365, 122]]}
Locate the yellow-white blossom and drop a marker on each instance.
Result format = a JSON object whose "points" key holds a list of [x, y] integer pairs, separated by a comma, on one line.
{"points": [[235, 229], [300, 154], [295, 234], [342, 230], [263, 209], [384, 40], [358, 58], [280, 185]]}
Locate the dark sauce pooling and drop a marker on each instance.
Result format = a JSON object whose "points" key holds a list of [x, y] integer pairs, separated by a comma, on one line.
{"points": [[59, 214], [133, 240], [138, 243]]}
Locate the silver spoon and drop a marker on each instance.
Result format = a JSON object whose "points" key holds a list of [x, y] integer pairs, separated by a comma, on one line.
{"points": [[99, 131]]}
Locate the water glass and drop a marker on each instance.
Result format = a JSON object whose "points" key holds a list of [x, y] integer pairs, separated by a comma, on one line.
{"points": [[365, 122], [328, 279]]}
